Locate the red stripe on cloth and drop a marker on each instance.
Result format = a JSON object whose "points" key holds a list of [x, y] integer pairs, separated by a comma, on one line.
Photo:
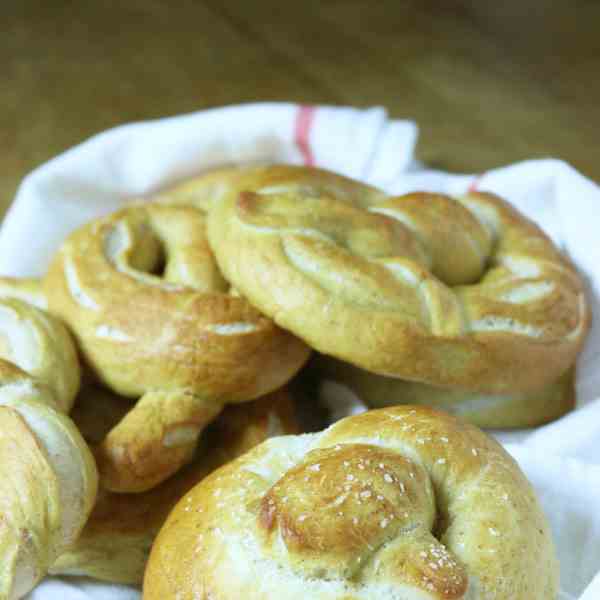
{"points": [[475, 183], [304, 122]]}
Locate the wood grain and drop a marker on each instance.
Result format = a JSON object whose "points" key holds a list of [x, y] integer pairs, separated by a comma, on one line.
{"points": [[488, 82]]}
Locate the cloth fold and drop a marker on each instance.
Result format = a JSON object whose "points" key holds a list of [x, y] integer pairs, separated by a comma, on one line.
{"points": [[561, 459]]}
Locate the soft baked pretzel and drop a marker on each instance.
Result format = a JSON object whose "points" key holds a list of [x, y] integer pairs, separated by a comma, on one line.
{"points": [[153, 317], [460, 292], [48, 478], [27, 289], [394, 504], [115, 543], [491, 410], [213, 186]]}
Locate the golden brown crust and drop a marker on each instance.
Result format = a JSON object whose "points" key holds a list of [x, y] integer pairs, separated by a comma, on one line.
{"points": [[151, 312], [489, 410], [47, 474], [116, 541], [400, 503], [28, 483], [26, 289], [200, 192], [457, 292], [30, 336]]}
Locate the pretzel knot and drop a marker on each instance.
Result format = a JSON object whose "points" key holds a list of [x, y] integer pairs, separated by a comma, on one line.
{"points": [[154, 319], [397, 503], [48, 475], [462, 292], [115, 543]]}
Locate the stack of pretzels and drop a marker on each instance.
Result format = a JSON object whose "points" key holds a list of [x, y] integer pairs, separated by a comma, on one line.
{"points": [[191, 312]]}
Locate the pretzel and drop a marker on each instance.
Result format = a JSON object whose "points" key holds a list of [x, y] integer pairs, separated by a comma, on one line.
{"points": [[504, 410], [460, 292], [213, 186], [27, 289], [47, 474], [404, 502], [154, 320], [116, 540]]}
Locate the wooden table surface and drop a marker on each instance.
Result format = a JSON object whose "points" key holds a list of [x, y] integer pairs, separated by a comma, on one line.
{"points": [[488, 82]]}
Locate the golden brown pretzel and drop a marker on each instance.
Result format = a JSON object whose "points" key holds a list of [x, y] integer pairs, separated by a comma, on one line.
{"points": [[401, 503], [214, 186], [150, 310], [48, 478], [116, 540], [28, 290], [491, 410], [460, 292]]}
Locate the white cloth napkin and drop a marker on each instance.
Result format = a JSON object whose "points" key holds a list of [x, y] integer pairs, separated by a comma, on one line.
{"points": [[562, 459]]}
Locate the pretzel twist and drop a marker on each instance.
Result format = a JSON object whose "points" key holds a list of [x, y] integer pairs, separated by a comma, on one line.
{"points": [[462, 292], [392, 504], [115, 543], [48, 475], [153, 317]]}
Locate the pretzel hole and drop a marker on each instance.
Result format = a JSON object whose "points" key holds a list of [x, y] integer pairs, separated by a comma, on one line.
{"points": [[160, 264], [136, 247], [149, 255], [442, 519]]}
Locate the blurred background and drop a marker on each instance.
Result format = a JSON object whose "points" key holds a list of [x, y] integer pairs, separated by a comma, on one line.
{"points": [[488, 82]]}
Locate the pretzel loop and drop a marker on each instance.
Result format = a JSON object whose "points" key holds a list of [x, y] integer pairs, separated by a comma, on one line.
{"points": [[49, 479], [460, 292], [397, 503], [154, 319]]}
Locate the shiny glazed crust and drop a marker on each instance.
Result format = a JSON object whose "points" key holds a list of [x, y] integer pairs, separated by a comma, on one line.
{"points": [[458, 292], [154, 320], [403, 503]]}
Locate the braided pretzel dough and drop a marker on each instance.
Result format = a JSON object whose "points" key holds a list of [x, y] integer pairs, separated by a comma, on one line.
{"points": [[48, 475], [116, 540], [397, 504], [176, 338], [458, 292], [504, 410]]}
